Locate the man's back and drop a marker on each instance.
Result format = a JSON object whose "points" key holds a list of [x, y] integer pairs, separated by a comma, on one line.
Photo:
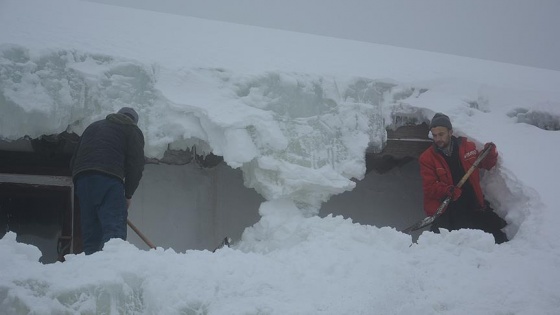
{"points": [[113, 146], [101, 149]]}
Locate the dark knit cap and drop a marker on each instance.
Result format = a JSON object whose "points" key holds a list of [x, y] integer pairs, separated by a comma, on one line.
{"points": [[441, 120], [131, 113]]}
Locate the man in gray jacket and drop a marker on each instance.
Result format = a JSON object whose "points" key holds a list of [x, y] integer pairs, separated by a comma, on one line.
{"points": [[106, 168]]}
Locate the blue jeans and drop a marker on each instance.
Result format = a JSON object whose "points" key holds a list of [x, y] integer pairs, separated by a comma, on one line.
{"points": [[103, 210]]}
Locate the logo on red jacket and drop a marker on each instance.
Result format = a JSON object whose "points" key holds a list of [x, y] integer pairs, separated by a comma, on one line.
{"points": [[470, 154]]}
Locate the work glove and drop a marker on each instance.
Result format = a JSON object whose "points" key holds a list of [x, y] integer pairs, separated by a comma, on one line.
{"points": [[487, 144], [454, 192]]}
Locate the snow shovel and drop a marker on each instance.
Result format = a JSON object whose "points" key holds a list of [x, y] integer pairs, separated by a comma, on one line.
{"points": [[144, 238], [428, 220], [225, 242]]}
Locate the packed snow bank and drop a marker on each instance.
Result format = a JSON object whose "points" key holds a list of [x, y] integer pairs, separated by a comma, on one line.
{"points": [[288, 264]]}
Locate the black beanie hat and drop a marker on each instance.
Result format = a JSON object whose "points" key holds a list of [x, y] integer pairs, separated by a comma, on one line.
{"points": [[441, 120], [131, 113]]}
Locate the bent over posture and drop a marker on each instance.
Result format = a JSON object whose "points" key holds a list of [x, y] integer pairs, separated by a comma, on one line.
{"points": [[442, 166], [107, 166]]}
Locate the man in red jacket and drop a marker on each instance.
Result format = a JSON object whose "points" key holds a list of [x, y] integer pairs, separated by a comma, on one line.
{"points": [[442, 166]]}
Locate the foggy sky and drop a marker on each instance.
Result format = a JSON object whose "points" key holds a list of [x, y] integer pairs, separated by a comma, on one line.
{"points": [[523, 32]]}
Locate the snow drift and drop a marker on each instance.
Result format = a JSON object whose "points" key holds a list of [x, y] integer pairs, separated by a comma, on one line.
{"points": [[295, 114]]}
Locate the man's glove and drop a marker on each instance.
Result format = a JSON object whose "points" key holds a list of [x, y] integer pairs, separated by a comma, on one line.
{"points": [[454, 192], [487, 144]]}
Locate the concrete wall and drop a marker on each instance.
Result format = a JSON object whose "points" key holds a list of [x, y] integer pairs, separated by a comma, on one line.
{"points": [[189, 207], [391, 199]]}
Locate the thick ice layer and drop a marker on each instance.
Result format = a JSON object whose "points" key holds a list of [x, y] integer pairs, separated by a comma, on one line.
{"points": [[295, 136]]}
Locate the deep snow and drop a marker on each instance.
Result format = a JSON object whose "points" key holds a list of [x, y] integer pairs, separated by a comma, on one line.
{"points": [[294, 113]]}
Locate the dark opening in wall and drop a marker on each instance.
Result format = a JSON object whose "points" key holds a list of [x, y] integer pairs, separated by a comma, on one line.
{"points": [[37, 214], [36, 196]]}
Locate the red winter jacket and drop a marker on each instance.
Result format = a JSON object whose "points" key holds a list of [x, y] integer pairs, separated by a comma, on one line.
{"points": [[436, 175]]}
